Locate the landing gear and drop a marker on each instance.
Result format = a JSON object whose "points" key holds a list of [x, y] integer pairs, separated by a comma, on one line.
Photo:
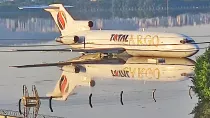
{"points": [[92, 83], [108, 55]]}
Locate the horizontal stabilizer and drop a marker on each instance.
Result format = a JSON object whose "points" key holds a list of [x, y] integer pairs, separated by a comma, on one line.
{"points": [[58, 95], [42, 7]]}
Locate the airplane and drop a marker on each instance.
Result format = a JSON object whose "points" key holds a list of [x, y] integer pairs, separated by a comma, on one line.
{"points": [[79, 35], [83, 72]]}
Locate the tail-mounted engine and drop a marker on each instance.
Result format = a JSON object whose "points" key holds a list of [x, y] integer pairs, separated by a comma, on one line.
{"points": [[78, 26], [90, 24], [73, 69], [87, 81], [92, 83], [70, 39], [84, 24]]}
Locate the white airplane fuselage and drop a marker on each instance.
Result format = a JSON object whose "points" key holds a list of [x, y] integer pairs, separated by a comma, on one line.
{"points": [[136, 43]]}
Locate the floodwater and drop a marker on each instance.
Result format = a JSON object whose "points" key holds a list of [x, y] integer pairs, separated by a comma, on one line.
{"points": [[172, 97]]}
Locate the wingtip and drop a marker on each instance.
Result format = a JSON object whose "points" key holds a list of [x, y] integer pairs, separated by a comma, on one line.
{"points": [[13, 66], [12, 50]]}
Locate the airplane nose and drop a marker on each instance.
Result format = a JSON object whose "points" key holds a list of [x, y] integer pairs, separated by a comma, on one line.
{"points": [[196, 48]]}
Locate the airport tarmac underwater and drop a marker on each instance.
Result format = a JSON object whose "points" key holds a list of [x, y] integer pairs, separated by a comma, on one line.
{"points": [[172, 97]]}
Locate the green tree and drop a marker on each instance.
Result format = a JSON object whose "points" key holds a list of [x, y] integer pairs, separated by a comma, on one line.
{"points": [[201, 79], [201, 110]]}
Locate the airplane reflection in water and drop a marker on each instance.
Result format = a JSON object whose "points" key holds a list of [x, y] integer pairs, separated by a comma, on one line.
{"points": [[133, 68], [141, 68], [83, 71]]}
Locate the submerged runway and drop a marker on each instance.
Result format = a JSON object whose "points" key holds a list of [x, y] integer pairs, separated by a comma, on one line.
{"points": [[172, 97]]}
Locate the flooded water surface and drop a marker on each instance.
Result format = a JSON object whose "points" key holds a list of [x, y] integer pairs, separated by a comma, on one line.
{"points": [[171, 98]]}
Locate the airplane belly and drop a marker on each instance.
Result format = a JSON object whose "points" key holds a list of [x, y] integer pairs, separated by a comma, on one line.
{"points": [[161, 53], [151, 51], [162, 50]]}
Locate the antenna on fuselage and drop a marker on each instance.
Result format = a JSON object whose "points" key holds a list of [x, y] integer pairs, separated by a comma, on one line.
{"points": [[84, 42]]}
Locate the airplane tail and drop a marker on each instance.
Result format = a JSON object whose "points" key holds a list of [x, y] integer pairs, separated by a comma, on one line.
{"points": [[67, 83], [63, 88], [66, 24], [61, 17]]}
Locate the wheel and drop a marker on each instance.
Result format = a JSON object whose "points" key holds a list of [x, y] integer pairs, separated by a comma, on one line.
{"points": [[92, 83]]}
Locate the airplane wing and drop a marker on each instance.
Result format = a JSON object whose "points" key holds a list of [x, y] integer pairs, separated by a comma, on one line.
{"points": [[78, 60], [98, 50], [39, 45], [84, 59], [43, 65]]}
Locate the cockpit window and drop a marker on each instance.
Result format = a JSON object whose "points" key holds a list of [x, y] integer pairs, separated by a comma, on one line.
{"points": [[186, 41], [190, 41]]}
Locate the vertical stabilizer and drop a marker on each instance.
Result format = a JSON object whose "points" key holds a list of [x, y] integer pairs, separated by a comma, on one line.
{"points": [[64, 87], [67, 83], [62, 18], [66, 24]]}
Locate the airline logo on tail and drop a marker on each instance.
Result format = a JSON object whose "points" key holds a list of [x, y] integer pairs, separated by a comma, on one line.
{"points": [[61, 17], [64, 85]]}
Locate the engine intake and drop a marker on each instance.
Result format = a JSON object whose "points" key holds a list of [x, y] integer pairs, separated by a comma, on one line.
{"points": [[70, 39], [76, 39], [85, 25], [71, 68], [90, 24]]}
